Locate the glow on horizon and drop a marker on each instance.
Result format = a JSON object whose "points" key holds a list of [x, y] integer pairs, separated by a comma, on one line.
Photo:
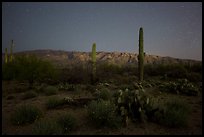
{"points": [[171, 29]]}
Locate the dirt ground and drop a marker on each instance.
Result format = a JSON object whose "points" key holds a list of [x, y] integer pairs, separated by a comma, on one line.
{"points": [[11, 99]]}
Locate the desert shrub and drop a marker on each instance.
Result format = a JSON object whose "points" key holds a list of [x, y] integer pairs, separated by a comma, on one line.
{"points": [[39, 88], [30, 68], [180, 86], [171, 70], [177, 71], [29, 94], [9, 71], [102, 113], [55, 102], [77, 74], [196, 68], [50, 90], [67, 122], [130, 69], [105, 71], [103, 93], [66, 86], [47, 127], [109, 68], [174, 113], [126, 86], [194, 77], [90, 88], [25, 114]]}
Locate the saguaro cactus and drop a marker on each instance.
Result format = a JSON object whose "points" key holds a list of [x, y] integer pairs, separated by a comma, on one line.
{"points": [[93, 62], [11, 51], [6, 55], [141, 55]]}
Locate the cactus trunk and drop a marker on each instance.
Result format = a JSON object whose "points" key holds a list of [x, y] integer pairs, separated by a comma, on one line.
{"points": [[141, 55], [94, 63], [11, 51], [6, 55]]}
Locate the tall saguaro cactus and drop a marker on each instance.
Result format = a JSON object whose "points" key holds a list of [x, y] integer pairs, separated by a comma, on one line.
{"points": [[11, 51], [93, 63], [141, 55], [6, 55]]}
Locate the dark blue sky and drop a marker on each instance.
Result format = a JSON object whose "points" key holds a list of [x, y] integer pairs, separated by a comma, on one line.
{"points": [[170, 29]]}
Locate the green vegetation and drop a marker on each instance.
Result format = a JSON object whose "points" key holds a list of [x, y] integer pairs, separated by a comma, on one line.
{"points": [[67, 122], [66, 86], [25, 114], [141, 55], [102, 113], [50, 90], [103, 93], [75, 74], [6, 55], [11, 51], [29, 94], [112, 96], [55, 102], [47, 127], [28, 68], [173, 113], [180, 86], [93, 55], [135, 104]]}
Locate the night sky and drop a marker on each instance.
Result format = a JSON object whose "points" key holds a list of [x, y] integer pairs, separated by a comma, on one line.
{"points": [[170, 29]]}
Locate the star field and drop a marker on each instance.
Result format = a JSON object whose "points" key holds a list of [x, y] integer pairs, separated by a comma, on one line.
{"points": [[170, 29]]}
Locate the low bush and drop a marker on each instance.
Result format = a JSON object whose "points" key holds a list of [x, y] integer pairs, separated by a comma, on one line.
{"points": [[29, 94], [174, 113], [50, 90], [67, 122], [54, 102], [76, 74], [25, 114], [180, 86], [66, 86], [103, 93], [47, 127], [30, 68], [102, 113]]}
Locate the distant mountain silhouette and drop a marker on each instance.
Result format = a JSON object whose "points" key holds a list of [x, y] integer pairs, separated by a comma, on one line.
{"points": [[62, 58]]}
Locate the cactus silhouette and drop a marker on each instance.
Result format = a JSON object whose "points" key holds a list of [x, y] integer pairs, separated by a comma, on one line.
{"points": [[11, 51], [6, 55], [94, 63], [141, 55]]}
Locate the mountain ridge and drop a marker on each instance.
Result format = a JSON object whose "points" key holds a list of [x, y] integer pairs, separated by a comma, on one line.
{"points": [[62, 57]]}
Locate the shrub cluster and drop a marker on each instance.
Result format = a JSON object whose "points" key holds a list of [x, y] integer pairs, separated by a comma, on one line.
{"points": [[181, 86], [25, 114], [174, 113], [67, 122], [46, 127], [102, 113], [30, 68]]}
